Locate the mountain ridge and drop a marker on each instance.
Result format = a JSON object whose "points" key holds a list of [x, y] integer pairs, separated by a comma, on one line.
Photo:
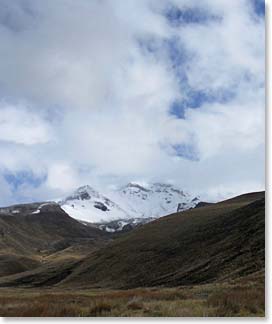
{"points": [[128, 204]]}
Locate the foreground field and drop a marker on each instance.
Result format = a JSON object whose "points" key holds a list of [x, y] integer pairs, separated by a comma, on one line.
{"points": [[198, 301]]}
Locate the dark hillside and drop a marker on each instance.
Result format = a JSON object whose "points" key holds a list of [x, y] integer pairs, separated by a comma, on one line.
{"points": [[27, 238], [213, 243]]}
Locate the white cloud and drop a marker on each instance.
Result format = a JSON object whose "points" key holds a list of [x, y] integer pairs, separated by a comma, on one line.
{"points": [[219, 128], [20, 125], [98, 104], [61, 176], [5, 192]]}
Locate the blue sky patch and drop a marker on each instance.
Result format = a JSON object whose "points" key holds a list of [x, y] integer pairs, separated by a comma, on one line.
{"points": [[186, 151], [23, 177], [195, 99], [259, 7], [177, 17], [177, 53], [17, 16]]}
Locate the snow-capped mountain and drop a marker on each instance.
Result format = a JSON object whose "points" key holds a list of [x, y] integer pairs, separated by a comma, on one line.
{"points": [[129, 205], [88, 205], [154, 200]]}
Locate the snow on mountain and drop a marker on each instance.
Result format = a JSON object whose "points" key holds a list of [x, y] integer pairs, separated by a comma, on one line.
{"points": [[123, 225], [129, 205], [88, 205], [154, 200]]}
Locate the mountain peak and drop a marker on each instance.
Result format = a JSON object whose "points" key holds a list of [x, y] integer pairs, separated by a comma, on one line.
{"points": [[130, 202], [84, 188], [134, 185], [87, 204], [85, 192], [160, 184]]}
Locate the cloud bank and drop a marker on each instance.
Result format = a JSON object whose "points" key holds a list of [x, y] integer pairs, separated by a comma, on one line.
{"points": [[105, 92]]}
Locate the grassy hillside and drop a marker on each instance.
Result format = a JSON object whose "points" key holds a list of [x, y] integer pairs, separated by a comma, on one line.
{"points": [[29, 240], [214, 243]]}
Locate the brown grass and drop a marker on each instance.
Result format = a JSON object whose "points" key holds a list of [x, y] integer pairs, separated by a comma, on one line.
{"points": [[206, 300], [238, 302], [135, 303]]}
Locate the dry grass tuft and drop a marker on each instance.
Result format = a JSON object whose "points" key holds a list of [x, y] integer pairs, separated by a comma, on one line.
{"points": [[238, 302], [99, 308]]}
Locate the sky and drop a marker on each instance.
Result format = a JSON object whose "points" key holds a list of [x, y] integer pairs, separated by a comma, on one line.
{"points": [[106, 92]]}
